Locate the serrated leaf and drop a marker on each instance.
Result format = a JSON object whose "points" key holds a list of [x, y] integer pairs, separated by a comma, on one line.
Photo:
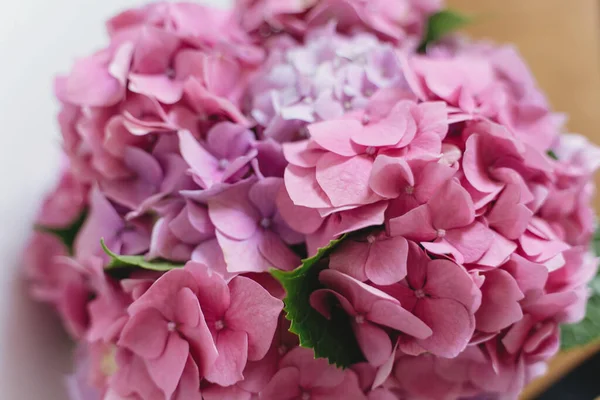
{"points": [[119, 261], [332, 339], [587, 330], [441, 24], [68, 234]]}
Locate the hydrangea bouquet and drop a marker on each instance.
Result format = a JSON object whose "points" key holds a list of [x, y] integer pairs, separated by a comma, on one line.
{"points": [[313, 199]]}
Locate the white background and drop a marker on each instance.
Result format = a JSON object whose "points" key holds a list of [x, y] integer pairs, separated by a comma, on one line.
{"points": [[38, 39]]}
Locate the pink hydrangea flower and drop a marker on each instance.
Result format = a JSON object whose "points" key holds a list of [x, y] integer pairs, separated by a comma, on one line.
{"points": [[371, 311], [443, 295], [446, 224], [194, 312], [300, 375]]}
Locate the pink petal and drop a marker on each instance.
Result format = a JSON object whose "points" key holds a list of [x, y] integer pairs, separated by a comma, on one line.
{"points": [[300, 155], [390, 176], [304, 189], [499, 252], [346, 180], [243, 255], [285, 385], [430, 178], [415, 225], [254, 311], [416, 265], [276, 252], [213, 293], [335, 136], [448, 280], [374, 343], [263, 193], [232, 212], [471, 241], [475, 168], [398, 125], [160, 87], [320, 300], [215, 392], [189, 385], [509, 216], [350, 258], [166, 371], [451, 323], [500, 302], [386, 263], [145, 333], [301, 219], [233, 351], [451, 207], [391, 314]]}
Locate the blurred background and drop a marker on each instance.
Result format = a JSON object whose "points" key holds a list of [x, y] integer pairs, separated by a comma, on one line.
{"points": [[39, 38]]}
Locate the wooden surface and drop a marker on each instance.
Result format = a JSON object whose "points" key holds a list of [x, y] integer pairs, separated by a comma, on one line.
{"points": [[560, 39]]}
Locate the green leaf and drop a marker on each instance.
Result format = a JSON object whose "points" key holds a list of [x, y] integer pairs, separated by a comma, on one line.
{"points": [[552, 155], [332, 339], [587, 330], [118, 261], [68, 234], [441, 24]]}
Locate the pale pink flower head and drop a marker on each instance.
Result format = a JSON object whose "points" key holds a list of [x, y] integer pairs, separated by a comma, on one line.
{"points": [[321, 79], [301, 376]]}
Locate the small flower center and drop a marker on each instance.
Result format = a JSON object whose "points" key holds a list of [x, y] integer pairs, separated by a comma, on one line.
{"points": [[371, 238], [171, 326], [347, 105], [441, 233], [219, 325], [419, 293], [307, 100], [360, 319], [223, 163], [265, 223], [365, 119], [305, 396], [409, 189], [370, 150]]}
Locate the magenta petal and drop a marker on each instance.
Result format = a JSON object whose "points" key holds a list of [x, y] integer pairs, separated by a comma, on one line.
{"points": [[391, 314], [350, 258], [301, 219], [500, 302], [263, 194], [212, 291], [189, 385], [451, 207], [448, 280], [471, 241], [386, 263], [202, 345], [346, 180], [451, 323], [374, 343], [216, 392], [254, 311], [415, 225], [475, 168], [166, 370], [233, 350]]}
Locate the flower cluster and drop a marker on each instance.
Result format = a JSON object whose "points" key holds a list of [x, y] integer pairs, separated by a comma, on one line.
{"points": [[206, 147]]}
